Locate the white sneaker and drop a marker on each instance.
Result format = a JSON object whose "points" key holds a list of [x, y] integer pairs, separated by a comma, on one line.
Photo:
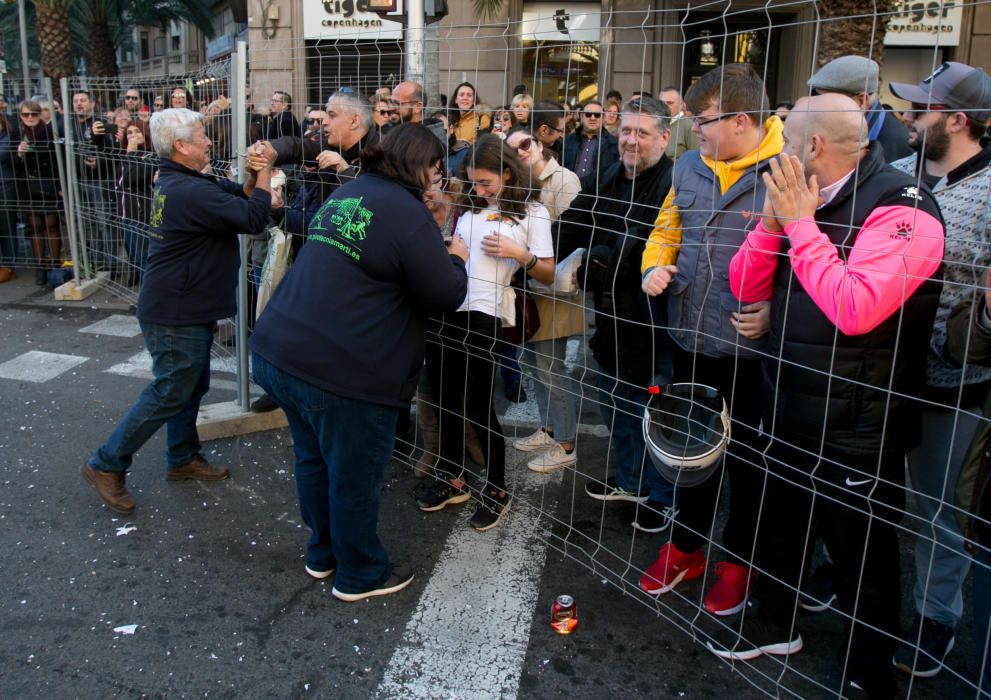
{"points": [[552, 460], [540, 440]]}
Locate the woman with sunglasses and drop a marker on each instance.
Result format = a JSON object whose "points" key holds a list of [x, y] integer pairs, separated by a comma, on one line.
{"points": [[503, 121], [560, 318], [38, 188], [505, 229], [382, 111]]}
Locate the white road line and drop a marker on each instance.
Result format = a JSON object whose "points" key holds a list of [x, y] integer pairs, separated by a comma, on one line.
{"points": [[117, 325], [140, 366], [469, 633], [39, 367]]}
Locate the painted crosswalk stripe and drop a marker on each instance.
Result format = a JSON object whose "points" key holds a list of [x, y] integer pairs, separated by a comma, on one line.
{"points": [[39, 367], [117, 325], [139, 366], [469, 633]]}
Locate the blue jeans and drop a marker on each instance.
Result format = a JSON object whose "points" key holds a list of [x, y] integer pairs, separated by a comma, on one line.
{"points": [[136, 244], [941, 563], [180, 358], [557, 392], [981, 595], [622, 409], [342, 447]]}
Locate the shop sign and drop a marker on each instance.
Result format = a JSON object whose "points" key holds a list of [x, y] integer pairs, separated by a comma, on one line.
{"points": [[560, 21], [931, 23], [347, 19]]}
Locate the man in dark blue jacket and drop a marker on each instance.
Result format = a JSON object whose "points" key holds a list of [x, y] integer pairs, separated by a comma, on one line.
{"points": [[189, 284], [591, 149]]}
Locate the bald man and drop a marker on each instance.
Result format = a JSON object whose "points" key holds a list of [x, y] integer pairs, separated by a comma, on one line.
{"points": [[848, 250]]}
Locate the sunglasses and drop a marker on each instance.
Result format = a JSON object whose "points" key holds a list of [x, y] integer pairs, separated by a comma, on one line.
{"points": [[30, 114], [592, 115], [525, 144], [384, 112], [131, 97], [916, 107]]}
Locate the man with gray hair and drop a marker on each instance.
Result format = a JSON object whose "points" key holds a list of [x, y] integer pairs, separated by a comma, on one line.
{"points": [[347, 130], [189, 285], [611, 218], [857, 78]]}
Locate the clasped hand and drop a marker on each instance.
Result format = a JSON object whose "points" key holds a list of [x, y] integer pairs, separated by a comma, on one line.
{"points": [[790, 196]]}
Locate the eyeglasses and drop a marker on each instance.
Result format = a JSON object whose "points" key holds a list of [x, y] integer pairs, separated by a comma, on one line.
{"points": [[554, 128], [132, 97], [525, 144], [702, 122]]}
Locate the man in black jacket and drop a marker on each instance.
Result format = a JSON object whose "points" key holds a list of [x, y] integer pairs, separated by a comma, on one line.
{"points": [[590, 149], [611, 218], [189, 285], [90, 137], [851, 260]]}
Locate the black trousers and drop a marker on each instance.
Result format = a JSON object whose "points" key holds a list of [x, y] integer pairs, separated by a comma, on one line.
{"points": [[739, 381], [462, 363], [854, 509]]}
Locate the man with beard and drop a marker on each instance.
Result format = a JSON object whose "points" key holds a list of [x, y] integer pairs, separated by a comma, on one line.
{"points": [[946, 125], [410, 100]]}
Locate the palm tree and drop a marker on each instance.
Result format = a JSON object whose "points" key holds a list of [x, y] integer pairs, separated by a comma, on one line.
{"points": [[54, 39], [852, 27]]}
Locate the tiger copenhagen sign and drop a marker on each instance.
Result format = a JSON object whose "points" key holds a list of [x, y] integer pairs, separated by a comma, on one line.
{"points": [[348, 19], [925, 23]]}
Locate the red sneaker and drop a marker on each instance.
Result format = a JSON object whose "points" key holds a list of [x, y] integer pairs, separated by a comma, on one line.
{"points": [[729, 593], [671, 568]]}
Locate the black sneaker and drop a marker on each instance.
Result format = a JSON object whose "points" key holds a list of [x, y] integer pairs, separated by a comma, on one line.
{"points": [[402, 576], [817, 594], [926, 659], [654, 517], [440, 494], [753, 637], [493, 507], [610, 491], [263, 404]]}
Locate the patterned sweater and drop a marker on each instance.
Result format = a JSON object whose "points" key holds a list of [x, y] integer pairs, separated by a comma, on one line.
{"points": [[966, 208]]}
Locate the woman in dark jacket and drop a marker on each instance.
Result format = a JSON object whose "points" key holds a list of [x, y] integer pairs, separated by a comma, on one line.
{"points": [[38, 188], [8, 202], [340, 345], [134, 185]]}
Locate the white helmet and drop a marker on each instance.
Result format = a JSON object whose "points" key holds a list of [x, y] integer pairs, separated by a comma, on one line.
{"points": [[686, 427]]}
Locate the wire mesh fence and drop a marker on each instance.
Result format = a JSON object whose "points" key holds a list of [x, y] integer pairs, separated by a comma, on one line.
{"points": [[840, 331]]}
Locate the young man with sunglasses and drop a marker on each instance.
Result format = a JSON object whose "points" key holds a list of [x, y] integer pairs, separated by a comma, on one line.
{"points": [[547, 124], [947, 125], [590, 149]]}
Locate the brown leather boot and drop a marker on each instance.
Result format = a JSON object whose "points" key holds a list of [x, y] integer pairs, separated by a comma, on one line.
{"points": [[198, 470], [6, 274], [110, 488]]}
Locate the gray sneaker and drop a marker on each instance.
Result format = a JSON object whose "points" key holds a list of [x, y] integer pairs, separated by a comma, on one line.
{"points": [[611, 491], [923, 656]]}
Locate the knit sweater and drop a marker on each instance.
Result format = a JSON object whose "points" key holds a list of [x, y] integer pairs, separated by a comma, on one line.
{"points": [[966, 207]]}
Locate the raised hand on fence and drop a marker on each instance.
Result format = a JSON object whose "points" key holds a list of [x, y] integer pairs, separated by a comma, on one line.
{"points": [[752, 321], [658, 279], [331, 159]]}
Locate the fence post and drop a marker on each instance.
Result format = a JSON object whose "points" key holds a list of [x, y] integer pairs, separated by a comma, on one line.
{"points": [[73, 214], [239, 133], [65, 182]]}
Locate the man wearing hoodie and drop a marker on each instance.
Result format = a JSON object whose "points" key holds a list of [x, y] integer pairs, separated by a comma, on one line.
{"points": [[701, 224]]}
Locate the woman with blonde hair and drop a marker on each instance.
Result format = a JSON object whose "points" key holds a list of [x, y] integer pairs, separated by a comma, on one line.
{"points": [[610, 115], [521, 106]]}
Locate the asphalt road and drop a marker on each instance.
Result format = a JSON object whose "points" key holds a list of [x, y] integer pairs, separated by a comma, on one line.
{"points": [[201, 593]]}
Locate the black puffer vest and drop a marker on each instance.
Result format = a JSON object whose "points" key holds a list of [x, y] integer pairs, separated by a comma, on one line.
{"points": [[849, 393]]}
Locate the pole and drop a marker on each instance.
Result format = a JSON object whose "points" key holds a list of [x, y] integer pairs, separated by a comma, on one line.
{"points": [[239, 72], [415, 69], [67, 172], [25, 69]]}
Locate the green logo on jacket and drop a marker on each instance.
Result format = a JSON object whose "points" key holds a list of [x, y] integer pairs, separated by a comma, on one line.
{"points": [[344, 221]]}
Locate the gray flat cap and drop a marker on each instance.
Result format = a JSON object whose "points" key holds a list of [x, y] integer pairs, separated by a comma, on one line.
{"points": [[851, 75]]}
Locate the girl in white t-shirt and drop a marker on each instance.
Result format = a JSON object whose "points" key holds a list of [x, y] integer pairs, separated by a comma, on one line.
{"points": [[505, 228]]}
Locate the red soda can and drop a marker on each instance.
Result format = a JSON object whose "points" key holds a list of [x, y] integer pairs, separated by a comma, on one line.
{"points": [[564, 614]]}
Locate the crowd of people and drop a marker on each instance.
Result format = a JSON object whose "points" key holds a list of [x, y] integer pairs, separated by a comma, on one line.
{"points": [[822, 267]]}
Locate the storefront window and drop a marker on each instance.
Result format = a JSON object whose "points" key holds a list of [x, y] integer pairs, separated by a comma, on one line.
{"points": [[561, 50]]}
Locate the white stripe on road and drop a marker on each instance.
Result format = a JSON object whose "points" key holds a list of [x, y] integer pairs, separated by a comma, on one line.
{"points": [[117, 325], [140, 366], [39, 367], [469, 633]]}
